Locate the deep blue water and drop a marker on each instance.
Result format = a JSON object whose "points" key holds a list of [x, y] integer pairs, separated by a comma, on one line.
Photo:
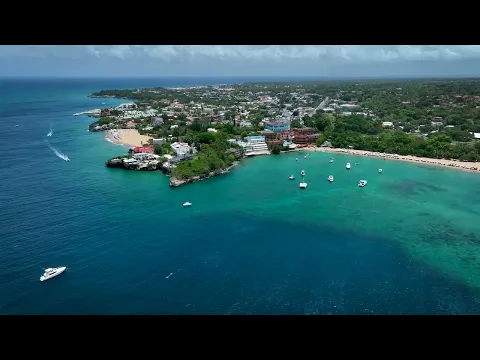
{"points": [[121, 234]]}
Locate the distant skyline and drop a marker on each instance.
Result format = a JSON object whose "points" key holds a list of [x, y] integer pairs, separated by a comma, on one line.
{"points": [[330, 61]]}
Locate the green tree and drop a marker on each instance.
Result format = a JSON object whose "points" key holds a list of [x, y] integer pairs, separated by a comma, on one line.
{"points": [[158, 150], [276, 150]]}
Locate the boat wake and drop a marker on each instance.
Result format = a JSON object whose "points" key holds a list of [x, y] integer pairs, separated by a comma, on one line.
{"points": [[58, 153]]}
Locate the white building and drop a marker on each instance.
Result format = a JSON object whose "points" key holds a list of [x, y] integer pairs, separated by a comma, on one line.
{"points": [[158, 141], [180, 148], [212, 130], [257, 143], [387, 124], [126, 106], [245, 145]]}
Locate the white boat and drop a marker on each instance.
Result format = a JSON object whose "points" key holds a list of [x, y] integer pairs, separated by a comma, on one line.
{"points": [[296, 159], [187, 204], [380, 171], [305, 156], [348, 166], [292, 177], [330, 178], [52, 272], [303, 185], [331, 160], [50, 133], [16, 125], [302, 173], [362, 183]]}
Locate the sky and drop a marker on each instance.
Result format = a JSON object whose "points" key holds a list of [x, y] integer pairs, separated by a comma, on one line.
{"points": [[335, 61]]}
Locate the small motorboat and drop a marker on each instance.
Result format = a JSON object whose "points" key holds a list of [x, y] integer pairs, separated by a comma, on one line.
{"points": [[52, 272], [302, 173], [380, 171], [16, 125], [330, 178], [303, 185], [331, 160], [305, 156], [187, 204], [362, 183], [296, 159], [292, 177], [348, 166]]}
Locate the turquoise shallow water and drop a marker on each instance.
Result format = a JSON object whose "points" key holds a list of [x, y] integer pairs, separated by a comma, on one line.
{"points": [[252, 243]]}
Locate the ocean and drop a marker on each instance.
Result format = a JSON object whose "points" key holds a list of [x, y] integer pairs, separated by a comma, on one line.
{"points": [[252, 243]]}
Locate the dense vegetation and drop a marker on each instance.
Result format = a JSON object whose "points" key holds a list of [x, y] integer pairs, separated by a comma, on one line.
{"points": [[213, 155], [431, 118]]}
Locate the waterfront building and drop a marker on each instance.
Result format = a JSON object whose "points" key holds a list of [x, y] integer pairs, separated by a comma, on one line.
{"points": [[305, 136], [257, 143], [143, 149]]}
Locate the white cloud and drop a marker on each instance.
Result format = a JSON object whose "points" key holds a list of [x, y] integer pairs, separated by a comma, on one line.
{"points": [[193, 53]]}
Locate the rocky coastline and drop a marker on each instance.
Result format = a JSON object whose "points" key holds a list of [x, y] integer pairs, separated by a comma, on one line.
{"points": [[159, 166], [177, 182], [140, 166]]}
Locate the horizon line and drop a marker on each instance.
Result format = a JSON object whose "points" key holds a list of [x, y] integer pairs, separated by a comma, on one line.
{"points": [[393, 77]]}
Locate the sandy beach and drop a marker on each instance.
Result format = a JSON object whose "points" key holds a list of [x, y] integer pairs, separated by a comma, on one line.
{"points": [[127, 137], [455, 164]]}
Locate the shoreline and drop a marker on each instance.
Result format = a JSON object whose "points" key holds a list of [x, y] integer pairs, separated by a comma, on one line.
{"points": [[126, 137], [451, 164]]}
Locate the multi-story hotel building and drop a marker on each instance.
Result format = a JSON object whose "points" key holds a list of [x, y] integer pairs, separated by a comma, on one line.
{"points": [[277, 126], [304, 136], [257, 143]]}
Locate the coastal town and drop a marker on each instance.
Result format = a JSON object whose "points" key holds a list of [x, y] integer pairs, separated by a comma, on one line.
{"points": [[193, 133]]}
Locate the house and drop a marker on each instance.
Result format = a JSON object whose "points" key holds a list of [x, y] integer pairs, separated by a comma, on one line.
{"points": [[143, 149], [157, 121], [212, 130], [130, 124], [157, 141], [181, 148], [179, 158], [387, 124]]}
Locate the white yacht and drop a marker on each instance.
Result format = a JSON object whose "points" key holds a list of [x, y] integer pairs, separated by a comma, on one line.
{"points": [[330, 178], [52, 272], [348, 166], [362, 183], [292, 177], [380, 171], [303, 185], [187, 204], [302, 173]]}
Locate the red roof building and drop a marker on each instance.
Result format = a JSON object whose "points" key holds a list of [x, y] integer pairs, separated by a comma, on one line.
{"points": [[143, 149]]}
